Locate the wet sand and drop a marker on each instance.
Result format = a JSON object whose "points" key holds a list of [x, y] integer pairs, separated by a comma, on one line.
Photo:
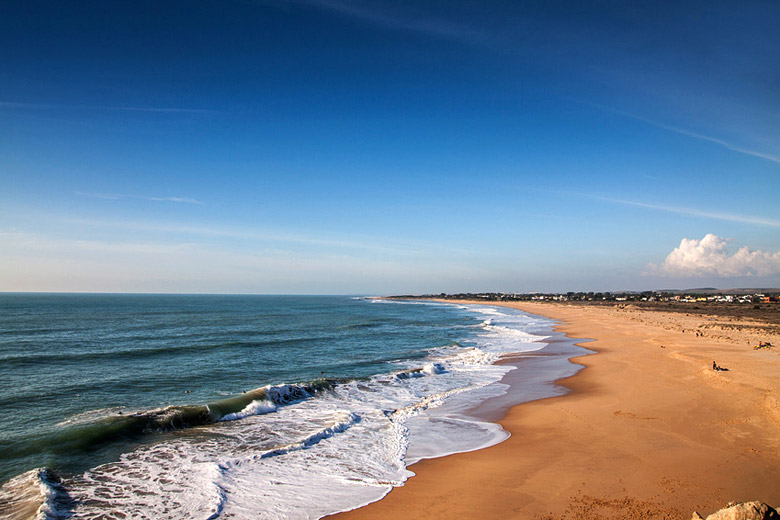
{"points": [[648, 430]]}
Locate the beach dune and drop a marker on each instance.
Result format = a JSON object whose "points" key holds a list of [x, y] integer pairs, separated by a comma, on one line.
{"points": [[648, 431]]}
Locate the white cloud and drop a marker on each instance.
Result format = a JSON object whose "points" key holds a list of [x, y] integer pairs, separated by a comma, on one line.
{"points": [[710, 257]]}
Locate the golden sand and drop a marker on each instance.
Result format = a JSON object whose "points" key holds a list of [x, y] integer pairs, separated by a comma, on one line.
{"points": [[649, 429]]}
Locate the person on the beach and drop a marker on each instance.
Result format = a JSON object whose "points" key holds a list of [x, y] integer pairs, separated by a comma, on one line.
{"points": [[718, 368]]}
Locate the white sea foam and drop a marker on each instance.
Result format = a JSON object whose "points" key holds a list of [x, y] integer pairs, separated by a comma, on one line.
{"points": [[436, 436], [341, 449], [434, 368], [253, 408]]}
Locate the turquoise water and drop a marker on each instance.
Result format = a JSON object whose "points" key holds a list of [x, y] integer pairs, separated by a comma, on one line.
{"points": [[114, 394]]}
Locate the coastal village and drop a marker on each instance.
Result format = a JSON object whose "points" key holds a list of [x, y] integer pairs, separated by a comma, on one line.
{"points": [[742, 296]]}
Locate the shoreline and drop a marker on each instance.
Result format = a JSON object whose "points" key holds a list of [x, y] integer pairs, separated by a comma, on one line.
{"points": [[530, 380], [647, 430], [531, 375]]}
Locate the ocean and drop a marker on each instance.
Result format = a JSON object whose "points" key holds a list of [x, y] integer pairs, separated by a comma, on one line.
{"points": [[205, 407]]}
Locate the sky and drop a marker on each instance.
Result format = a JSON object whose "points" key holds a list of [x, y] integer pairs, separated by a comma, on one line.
{"points": [[368, 147]]}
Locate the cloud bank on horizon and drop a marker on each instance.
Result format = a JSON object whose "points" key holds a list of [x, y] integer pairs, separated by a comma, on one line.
{"points": [[710, 256]]}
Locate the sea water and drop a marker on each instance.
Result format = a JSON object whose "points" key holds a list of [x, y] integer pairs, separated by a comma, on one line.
{"points": [[190, 406]]}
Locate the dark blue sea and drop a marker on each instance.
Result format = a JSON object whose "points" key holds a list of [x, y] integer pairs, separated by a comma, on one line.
{"points": [[202, 406]]}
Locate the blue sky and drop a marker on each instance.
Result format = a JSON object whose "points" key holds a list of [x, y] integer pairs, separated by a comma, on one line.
{"points": [[332, 146]]}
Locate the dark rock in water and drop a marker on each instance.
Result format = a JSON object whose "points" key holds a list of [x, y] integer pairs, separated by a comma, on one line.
{"points": [[743, 511]]}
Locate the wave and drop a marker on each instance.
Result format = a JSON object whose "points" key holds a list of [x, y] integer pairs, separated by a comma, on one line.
{"points": [[345, 441], [253, 408], [364, 325], [178, 417], [36, 494], [427, 370], [85, 433], [348, 420], [93, 430], [411, 302], [142, 353]]}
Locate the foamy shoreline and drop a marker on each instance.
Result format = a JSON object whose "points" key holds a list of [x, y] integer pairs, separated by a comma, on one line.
{"points": [[245, 455], [649, 430]]}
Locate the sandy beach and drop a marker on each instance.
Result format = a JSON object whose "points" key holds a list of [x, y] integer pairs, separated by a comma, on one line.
{"points": [[648, 430]]}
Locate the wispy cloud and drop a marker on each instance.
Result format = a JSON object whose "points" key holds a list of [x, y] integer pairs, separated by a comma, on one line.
{"points": [[245, 235], [119, 108], [695, 135], [743, 219], [180, 200], [51, 262], [111, 196], [44, 242], [384, 14], [259, 237]]}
